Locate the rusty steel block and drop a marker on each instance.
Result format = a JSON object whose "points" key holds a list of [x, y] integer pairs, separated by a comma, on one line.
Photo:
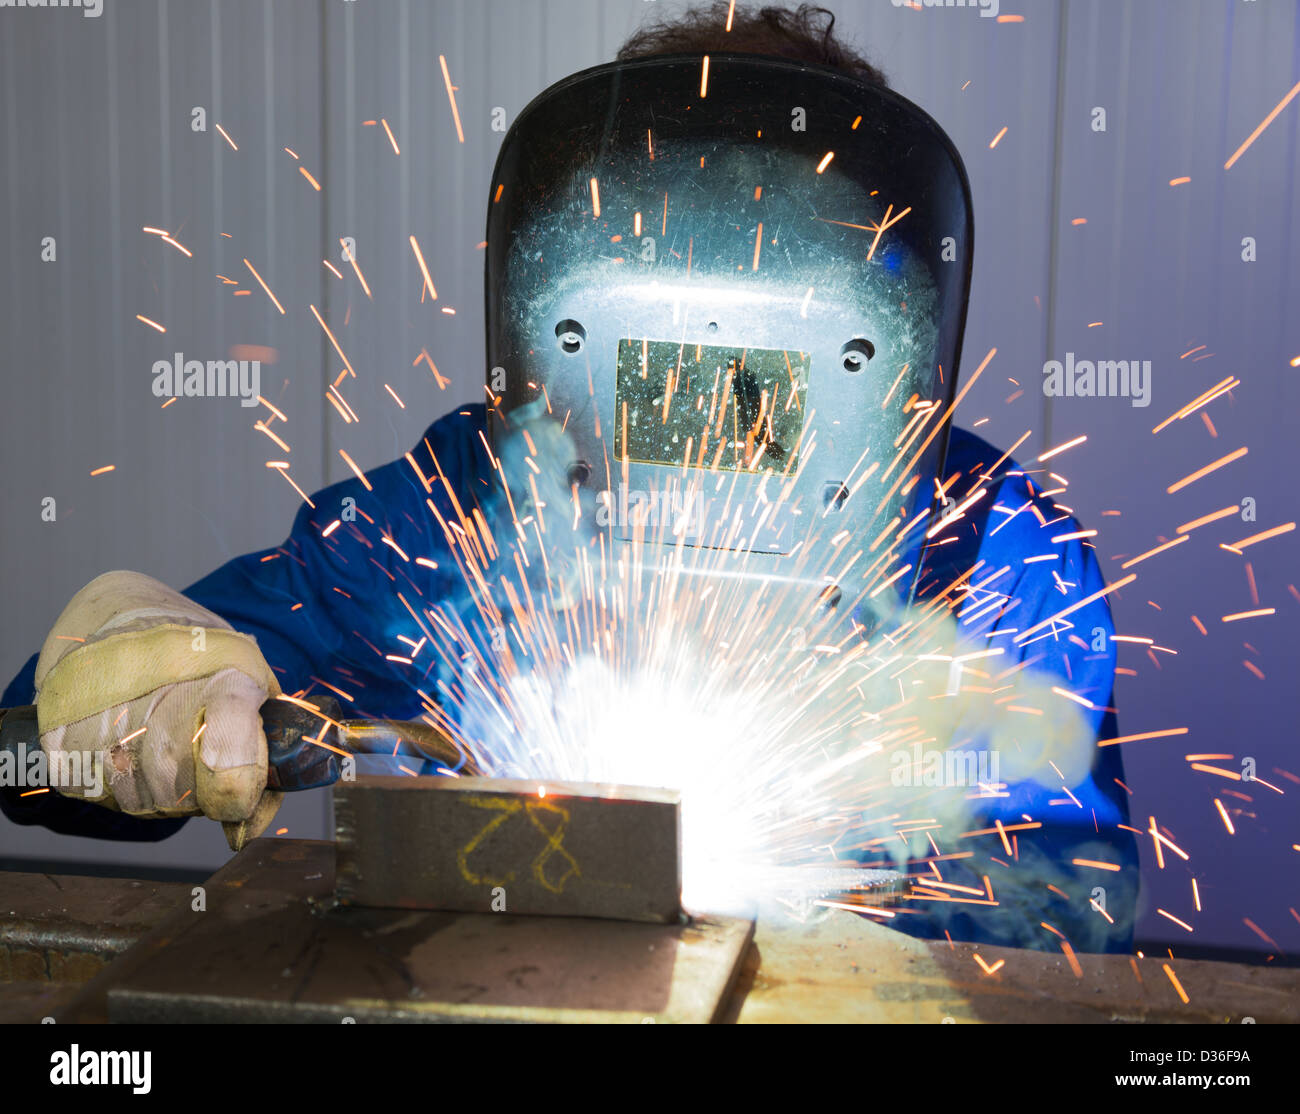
{"points": [[66, 928], [479, 845]]}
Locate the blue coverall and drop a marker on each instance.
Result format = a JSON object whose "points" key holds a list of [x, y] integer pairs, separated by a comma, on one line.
{"points": [[349, 618]]}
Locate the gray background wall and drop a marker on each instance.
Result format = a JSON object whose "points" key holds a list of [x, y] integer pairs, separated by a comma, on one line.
{"points": [[96, 142]]}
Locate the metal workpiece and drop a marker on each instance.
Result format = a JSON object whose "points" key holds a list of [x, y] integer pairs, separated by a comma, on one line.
{"points": [[480, 845], [64, 929], [272, 946]]}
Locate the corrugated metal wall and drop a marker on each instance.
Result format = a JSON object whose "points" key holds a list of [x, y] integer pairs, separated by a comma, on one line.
{"points": [[97, 139]]}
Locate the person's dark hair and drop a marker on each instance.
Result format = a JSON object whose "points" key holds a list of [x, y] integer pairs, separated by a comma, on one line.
{"points": [[803, 34]]}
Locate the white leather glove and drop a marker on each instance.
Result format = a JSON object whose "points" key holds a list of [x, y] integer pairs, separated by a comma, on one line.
{"points": [[164, 696]]}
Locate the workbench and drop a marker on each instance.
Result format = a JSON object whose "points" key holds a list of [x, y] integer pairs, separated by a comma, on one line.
{"points": [[95, 949]]}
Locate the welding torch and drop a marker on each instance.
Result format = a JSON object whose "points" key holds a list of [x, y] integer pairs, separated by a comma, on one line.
{"points": [[306, 743]]}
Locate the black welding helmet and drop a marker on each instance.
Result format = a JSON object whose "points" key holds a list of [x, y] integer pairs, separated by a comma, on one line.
{"points": [[741, 275]]}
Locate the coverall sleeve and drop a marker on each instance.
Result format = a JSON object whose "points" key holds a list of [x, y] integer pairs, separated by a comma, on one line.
{"points": [[1029, 579]]}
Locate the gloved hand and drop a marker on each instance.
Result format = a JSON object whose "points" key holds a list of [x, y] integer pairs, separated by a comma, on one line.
{"points": [[165, 695]]}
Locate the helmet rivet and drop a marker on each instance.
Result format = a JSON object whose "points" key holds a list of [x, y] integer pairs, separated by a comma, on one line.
{"points": [[571, 336], [855, 354]]}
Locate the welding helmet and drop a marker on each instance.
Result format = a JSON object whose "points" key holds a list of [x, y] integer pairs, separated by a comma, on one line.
{"points": [[743, 275]]}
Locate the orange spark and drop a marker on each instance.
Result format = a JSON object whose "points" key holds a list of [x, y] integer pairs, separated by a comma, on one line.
{"points": [[1003, 833], [262, 282], [1177, 985], [178, 246], [1005, 827], [1051, 620], [1273, 533], [1249, 614], [437, 377], [1144, 735], [881, 587], [424, 270], [1230, 774], [263, 428], [1214, 516], [1259, 130], [332, 688], [1061, 448], [359, 474], [1200, 472], [451, 96], [339, 350], [1158, 549], [393, 545], [1260, 932], [1221, 387]]}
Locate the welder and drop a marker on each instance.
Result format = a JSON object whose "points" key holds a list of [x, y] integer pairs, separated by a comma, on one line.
{"points": [[736, 182]]}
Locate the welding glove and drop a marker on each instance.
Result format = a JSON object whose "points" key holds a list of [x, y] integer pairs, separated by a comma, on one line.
{"points": [[161, 698]]}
